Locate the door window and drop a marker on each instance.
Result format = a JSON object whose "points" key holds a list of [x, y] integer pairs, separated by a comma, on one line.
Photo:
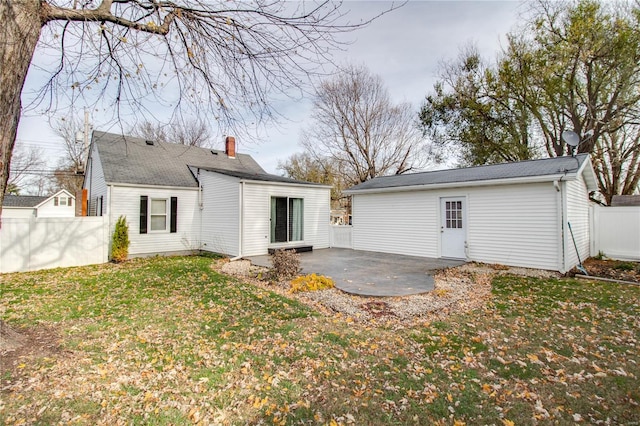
{"points": [[453, 212]]}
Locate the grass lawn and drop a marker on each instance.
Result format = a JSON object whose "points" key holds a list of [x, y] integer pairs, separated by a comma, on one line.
{"points": [[171, 341]]}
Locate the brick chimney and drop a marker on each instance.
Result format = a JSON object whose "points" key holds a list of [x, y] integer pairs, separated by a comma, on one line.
{"points": [[230, 146]]}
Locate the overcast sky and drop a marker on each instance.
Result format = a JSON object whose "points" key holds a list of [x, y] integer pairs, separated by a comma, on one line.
{"points": [[404, 47]]}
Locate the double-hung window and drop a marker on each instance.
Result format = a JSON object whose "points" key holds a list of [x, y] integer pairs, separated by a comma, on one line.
{"points": [[62, 201], [158, 214]]}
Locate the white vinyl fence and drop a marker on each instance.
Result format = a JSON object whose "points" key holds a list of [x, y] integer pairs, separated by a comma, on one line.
{"points": [[35, 243], [615, 231], [341, 236]]}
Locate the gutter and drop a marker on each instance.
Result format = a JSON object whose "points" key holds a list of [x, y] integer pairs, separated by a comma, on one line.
{"points": [[136, 185], [506, 181], [297, 185]]}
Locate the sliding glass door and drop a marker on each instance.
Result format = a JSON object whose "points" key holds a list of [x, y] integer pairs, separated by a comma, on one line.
{"points": [[287, 219]]}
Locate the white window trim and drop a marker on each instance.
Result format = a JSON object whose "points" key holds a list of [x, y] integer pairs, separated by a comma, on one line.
{"points": [[167, 215]]}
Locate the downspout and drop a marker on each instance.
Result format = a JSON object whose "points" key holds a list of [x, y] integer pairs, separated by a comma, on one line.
{"points": [[560, 224], [201, 209], [109, 198], [90, 192], [241, 221]]}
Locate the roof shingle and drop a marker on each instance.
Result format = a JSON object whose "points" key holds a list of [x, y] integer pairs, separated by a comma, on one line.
{"points": [[131, 160], [11, 200], [520, 169]]}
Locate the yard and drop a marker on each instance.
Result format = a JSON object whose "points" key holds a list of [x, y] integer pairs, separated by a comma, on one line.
{"points": [[173, 341]]}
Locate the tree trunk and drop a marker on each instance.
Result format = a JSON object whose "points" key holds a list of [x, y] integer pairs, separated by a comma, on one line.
{"points": [[19, 33]]}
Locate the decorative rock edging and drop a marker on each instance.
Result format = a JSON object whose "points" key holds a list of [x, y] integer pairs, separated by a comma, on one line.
{"points": [[456, 290]]}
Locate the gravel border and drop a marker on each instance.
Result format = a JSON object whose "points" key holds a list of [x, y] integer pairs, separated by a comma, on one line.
{"points": [[457, 290]]}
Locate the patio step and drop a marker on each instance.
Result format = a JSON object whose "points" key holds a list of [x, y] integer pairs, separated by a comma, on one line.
{"points": [[298, 249]]}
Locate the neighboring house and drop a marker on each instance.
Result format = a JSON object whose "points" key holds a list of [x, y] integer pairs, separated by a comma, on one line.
{"points": [[513, 214], [60, 204], [178, 198]]}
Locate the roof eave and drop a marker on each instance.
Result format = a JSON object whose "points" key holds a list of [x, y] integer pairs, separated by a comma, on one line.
{"points": [[229, 173], [505, 181], [296, 184], [144, 185], [586, 169]]}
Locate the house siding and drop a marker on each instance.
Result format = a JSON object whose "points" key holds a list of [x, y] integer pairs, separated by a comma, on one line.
{"points": [[578, 216], [48, 209], [126, 202], [95, 184], [220, 213], [508, 224], [257, 212], [514, 225], [400, 223]]}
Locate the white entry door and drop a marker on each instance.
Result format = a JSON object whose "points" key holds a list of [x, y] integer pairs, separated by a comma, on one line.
{"points": [[453, 227]]}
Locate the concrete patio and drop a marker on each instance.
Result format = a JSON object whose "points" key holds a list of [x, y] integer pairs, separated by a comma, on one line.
{"points": [[368, 273]]}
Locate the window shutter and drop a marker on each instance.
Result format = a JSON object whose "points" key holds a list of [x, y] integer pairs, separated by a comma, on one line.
{"points": [[143, 213], [174, 214]]}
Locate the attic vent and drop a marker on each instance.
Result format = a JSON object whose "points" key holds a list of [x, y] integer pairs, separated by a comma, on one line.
{"points": [[149, 142], [214, 153]]}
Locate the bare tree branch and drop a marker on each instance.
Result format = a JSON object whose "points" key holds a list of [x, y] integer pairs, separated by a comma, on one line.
{"points": [[223, 60], [355, 125]]}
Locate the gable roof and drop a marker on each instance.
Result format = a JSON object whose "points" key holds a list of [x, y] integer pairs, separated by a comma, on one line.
{"points": [[30, 201], [130, 160], [545, 169], [261, 177], [11, 200]]}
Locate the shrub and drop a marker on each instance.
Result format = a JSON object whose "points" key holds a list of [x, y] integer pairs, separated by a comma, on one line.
{"points": [[441, 292], [286, 264], [120, 241], [311, 282]]}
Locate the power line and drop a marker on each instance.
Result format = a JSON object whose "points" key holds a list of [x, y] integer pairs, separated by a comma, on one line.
{"points": [[47, 173]]}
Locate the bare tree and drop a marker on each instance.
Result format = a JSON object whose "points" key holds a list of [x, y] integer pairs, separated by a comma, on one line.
{"points": [[357, 126], [220, 58], [151, 131], [28, 171], [66, 176], [190, 132], [67, 130], [303, 166]]}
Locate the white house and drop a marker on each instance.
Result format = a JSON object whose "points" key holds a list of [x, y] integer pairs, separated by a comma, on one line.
{"points": [[178, 198], [518, 214], [60, 204]]}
